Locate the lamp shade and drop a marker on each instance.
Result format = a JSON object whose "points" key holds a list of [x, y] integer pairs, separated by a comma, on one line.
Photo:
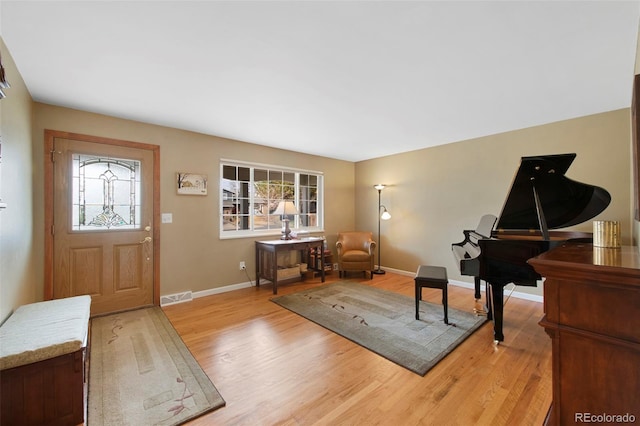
{"points": [[385, 214], [285, 208]]}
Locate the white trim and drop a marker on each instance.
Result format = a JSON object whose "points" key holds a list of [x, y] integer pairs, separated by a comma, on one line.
{"points": [[203, 293], [516, 294], [272, 166], [399, 271], [232, 287], [224, 289]]}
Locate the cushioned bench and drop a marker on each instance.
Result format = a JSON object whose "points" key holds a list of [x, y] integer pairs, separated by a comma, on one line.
{"points": [[432, 277], [42, 355]]}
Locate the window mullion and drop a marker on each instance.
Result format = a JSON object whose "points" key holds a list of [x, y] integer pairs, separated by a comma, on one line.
{"points": [[296, 199], [252, 192]]}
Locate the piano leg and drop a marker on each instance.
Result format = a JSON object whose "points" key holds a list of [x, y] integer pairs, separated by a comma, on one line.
{"points": [[487, 291], [479, 309], [497, 301], [476, 281]]}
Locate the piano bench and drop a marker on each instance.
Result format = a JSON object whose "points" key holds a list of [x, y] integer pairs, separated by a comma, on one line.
{"points": [[431, 277]]}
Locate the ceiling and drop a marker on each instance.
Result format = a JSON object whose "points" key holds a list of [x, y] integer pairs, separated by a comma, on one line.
{"points": [[351, 80]]}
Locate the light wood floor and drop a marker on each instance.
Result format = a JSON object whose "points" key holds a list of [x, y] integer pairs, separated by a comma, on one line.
{"points": [[273, 367]]}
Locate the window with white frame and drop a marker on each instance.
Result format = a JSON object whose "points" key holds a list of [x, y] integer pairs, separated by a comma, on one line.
{"points": [[251, 193]]}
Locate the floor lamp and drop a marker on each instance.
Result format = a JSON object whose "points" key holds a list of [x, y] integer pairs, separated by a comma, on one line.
{"points": [[385, 215]]}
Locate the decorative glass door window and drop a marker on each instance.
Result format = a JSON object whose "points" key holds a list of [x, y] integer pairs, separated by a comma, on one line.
{"points": [[106, 193]]}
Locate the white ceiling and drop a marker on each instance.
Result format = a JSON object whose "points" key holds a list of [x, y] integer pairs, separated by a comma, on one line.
{"points": [[351, 80]]}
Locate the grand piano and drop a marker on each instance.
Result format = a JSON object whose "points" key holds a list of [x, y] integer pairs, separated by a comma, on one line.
{"points": [[541, 198]]}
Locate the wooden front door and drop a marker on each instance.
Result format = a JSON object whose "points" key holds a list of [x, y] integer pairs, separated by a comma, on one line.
{"points": [[102, 209]]}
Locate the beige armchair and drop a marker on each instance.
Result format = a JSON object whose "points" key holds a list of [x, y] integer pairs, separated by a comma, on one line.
{"points": [[355, 252]]}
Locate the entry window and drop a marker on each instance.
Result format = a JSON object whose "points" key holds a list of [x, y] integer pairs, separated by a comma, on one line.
{"points": [[106, 193], [256, 199]]}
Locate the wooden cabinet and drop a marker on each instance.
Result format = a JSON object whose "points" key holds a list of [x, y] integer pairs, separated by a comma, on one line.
{"points": [[592, 314], [48, 392]]}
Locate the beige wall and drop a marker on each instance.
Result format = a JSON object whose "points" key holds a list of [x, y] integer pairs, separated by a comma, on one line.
{"points": [[192, 255], [19, 280], [435, 193]]}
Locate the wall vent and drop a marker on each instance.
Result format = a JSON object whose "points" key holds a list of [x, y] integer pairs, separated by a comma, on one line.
{"points": [[172, 299]]}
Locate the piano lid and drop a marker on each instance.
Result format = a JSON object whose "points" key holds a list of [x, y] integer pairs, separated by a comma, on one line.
{"points": [[563, 202]]}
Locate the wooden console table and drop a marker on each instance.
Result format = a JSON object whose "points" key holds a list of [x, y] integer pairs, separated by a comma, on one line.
{"points": [[592, 314], [267, 256]]}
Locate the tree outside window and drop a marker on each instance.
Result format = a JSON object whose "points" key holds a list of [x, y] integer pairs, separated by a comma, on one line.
{"points": [[250, 195]]}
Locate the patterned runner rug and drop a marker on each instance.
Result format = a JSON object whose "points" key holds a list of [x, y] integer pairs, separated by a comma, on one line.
{"points": [[141, 373], [384, 322]]}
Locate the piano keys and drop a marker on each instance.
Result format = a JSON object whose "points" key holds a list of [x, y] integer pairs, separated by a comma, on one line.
{"points": [[467, 252], [541, 198]]}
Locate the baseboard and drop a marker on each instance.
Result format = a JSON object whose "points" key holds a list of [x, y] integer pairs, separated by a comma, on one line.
{"points": [[511, 293], [172, 299], [222, 289], [175, 298]]}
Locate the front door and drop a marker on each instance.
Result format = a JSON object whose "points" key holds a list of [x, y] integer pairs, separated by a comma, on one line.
{"points": [[103, 234]]}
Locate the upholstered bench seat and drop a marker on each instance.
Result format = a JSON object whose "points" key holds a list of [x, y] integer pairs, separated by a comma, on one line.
{"points": [[432, 277], [355, 256], [44, 330], [42, 362]]}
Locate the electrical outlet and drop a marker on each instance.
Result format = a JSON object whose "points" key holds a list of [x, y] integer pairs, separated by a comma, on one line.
{"points": [[243, 266]]}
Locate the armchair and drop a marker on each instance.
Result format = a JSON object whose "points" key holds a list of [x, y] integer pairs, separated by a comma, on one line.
{"points": [[355, 252]]}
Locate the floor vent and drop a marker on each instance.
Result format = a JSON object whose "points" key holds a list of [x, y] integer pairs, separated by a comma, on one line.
{"points": [[172, 299]]}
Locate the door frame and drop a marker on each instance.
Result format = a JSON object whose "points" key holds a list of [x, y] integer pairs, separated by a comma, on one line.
{"points": [[49, 154]]}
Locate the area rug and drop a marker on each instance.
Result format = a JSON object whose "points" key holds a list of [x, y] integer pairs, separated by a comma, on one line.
{"points": [[384, 322], [141, 373]]}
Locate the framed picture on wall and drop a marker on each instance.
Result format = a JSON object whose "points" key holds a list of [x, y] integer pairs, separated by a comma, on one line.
{"points": [[191, 183]]}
